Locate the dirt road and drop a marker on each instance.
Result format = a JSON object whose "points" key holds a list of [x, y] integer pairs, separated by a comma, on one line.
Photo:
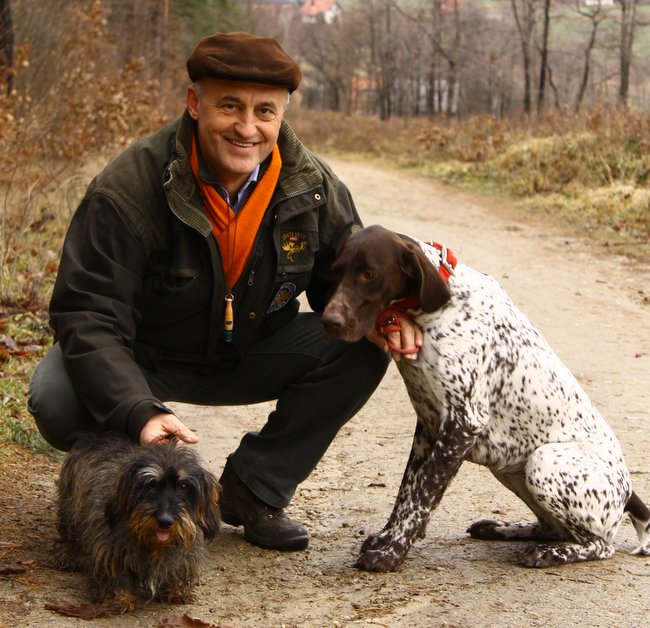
{"points": [[592, 305]]}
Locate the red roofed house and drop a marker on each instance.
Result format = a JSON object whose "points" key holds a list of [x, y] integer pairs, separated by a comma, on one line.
{"points": [[327, 11]]}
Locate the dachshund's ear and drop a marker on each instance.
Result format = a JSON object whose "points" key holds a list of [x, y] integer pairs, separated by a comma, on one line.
{"points": [[208, 513], [112, 513], [431, 287], [122, 499]]}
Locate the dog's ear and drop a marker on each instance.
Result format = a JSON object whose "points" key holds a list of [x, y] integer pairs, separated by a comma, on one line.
{"points": [[112, 513], [431, 287], [119, 502], [208, 514]]}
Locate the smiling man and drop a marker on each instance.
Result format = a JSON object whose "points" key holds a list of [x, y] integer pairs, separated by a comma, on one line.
{"points": [[179, 280]]}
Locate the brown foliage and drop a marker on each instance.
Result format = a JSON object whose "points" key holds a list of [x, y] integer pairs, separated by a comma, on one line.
{"points": [[93, 105]]}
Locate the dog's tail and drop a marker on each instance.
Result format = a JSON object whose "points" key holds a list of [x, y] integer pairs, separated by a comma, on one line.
{"points": [[640, 516]]}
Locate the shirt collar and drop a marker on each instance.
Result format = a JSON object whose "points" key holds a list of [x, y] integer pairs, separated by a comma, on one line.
{"points": [[244, 192]]}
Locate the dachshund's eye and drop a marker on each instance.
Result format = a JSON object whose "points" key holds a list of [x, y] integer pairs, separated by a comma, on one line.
{"points": [[367, 274]]}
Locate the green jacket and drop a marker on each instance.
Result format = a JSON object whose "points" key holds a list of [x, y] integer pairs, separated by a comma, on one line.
{"points": [[141, 278]]}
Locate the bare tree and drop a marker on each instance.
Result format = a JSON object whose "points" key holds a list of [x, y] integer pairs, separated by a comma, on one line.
{"points": [[628, 25], [596, 15], [443, 30], [331, 52], [543, 70], [525, 20]]}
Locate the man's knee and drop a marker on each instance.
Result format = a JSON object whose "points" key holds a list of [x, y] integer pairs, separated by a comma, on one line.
{"points": [[362, 360], [54, 404]]}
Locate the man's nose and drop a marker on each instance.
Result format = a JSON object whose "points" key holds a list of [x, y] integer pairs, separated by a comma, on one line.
{"points": [[245, 125]]}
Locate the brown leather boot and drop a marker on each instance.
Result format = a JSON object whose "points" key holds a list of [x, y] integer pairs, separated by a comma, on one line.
{"points": [[264, 525]]}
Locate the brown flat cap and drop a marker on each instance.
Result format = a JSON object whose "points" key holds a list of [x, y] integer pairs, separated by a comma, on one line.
{"points": [[243, 57]]}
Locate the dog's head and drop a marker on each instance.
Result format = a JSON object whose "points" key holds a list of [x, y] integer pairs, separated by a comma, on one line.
{"points": [[165, 497], [374, 267]]}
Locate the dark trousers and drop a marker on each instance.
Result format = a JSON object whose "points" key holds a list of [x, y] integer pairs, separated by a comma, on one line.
{"points": [[319, 384]]}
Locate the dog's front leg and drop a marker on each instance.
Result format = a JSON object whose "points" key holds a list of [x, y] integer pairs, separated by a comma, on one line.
{"points": [[431, 467]]}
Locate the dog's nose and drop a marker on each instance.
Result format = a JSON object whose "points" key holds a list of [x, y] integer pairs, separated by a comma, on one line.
{"points": [[165, 521], [332, 321]]}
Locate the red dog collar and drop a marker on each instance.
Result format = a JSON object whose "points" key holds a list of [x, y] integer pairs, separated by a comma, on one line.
{"points": [[389, 318]]}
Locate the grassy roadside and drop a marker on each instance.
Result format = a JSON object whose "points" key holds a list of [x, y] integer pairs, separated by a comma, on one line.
{"points": [[24, 338], [590, 171]]}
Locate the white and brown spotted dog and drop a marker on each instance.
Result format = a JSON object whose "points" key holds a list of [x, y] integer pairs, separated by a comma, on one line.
{"points": [[486, 387]]}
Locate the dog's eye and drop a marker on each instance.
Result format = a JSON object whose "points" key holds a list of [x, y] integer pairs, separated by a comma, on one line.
{"points": [[367, 274], [184, 486]]}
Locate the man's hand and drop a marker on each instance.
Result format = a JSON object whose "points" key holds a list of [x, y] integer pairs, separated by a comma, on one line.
{"points": [[164, 425], [408, 337]]}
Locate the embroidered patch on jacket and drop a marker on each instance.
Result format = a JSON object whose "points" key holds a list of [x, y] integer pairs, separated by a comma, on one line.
{"points": [[293, 242], [282, 296]]}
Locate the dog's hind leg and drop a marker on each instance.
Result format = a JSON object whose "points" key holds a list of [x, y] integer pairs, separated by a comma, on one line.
{"points": [[640, 516], [544, 529], [584, 494]]}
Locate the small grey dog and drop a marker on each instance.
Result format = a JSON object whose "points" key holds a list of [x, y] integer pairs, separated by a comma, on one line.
{"points": [[135, 519]]}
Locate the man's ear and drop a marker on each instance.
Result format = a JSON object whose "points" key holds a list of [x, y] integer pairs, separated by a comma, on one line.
{"points": [[192, 102], [432, 288]]}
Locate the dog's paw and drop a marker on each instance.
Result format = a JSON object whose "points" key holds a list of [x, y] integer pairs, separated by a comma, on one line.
{"points": [[381, 552], [181, 595], [375, 541], [487, 530], [379, 560], [642, 550], [64, 560], [553, 555], [540, 556], [121, 603]]}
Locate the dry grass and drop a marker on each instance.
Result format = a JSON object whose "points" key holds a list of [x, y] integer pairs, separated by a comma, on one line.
{"points": [[592, 169]]}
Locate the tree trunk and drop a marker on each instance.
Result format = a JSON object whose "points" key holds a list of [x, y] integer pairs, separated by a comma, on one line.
{"points": [[596, 17], [541, 94], [628, 23], [525, 26]]}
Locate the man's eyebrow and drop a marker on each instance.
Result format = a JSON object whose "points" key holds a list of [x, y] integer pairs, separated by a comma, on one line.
{"points": [[228, 97], [271, 104]]}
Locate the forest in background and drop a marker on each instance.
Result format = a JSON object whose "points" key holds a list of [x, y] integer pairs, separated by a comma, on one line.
{"points": [[384, 57], [541, 101]]}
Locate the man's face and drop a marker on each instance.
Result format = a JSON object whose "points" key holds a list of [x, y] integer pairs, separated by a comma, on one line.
{"points": [[238, 125]]}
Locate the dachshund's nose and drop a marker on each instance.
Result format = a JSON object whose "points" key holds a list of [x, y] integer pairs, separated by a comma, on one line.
{"points": [[165, 521]]}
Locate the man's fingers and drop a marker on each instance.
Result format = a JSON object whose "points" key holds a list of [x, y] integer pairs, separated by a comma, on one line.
{"points": [[187, 436], [377, 339], [407, 339], [165, 425]]}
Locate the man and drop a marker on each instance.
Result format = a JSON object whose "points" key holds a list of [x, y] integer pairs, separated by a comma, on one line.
{"points": [[178, 281]]}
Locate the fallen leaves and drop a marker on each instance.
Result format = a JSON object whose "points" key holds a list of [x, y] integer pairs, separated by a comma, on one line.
{"points": [[82, 611], [187, 621], [21, 348], [106, 609]]}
